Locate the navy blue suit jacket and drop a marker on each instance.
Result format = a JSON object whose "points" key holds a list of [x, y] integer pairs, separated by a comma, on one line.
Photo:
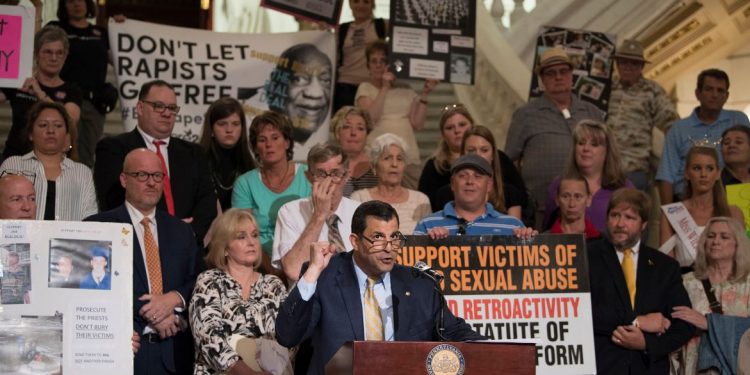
{"points": [[658, 289], [178, 254], [192, 189], [333, 315]]}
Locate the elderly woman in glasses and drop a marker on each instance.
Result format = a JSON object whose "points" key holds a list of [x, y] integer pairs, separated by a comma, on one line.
{"points": [[388, 156], [394, 107], [64, 188], [50, 51]]}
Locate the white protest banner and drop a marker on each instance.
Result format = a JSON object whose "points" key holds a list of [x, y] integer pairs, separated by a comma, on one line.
{"points": [[291, 73], [512, 290], [66, 297], [16, 45]]}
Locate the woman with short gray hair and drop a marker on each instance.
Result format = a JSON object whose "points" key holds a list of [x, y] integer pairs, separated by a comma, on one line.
{"points": [[388, 156]]}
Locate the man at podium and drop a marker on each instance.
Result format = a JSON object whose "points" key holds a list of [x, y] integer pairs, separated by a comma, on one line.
{"points": [[363, 294]]}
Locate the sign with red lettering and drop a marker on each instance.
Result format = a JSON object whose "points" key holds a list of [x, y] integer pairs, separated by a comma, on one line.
{"points": [[512, 290]]}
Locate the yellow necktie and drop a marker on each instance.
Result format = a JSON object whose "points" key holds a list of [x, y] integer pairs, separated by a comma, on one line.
{"points": [[373, 320], [628, 269]]}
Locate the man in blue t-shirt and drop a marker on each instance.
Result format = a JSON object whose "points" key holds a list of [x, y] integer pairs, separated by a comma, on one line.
{"points": [[470, 213], [704, 126]]}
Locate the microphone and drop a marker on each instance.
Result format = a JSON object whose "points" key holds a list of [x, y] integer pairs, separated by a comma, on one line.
{"points": [[423, 269]]}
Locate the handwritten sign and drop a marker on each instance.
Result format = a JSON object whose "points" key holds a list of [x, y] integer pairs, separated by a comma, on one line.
{"points": [[16, 44]]}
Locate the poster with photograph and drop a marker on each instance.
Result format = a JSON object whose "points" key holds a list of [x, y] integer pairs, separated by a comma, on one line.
{"points": [[16, 44], [591, 54], [327, 11], [67, 301], [291, 73], [433, 40], [511, 290]]}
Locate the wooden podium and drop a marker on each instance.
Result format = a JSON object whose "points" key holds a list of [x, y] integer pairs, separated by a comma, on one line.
{"points": [[411, 358]]}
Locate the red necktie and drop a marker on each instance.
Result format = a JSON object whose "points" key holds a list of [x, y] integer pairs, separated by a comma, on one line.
{"points": [[167, 184]]}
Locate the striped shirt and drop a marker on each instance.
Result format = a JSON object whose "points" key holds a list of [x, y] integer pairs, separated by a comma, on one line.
{"points": [[75, 197], [491, 222]]}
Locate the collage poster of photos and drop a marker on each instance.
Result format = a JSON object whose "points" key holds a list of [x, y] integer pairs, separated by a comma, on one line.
{"points": [[65, 298], [592, 54], [433, 39]]}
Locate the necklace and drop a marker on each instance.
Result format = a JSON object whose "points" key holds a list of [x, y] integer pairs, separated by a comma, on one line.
{"points": [[277, 186]]}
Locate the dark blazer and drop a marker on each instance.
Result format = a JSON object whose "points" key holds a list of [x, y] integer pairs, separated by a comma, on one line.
{"points": [[178, 254], [658, 289], [333, 315], [192, 189]]}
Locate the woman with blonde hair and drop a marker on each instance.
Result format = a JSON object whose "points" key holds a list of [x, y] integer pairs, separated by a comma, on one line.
{"points": [[704, 198], [719, 284], [350, 127], [455, 119], [232, 298], [596, 157]]}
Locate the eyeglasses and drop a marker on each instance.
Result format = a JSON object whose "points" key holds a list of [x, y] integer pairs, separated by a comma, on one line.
{"points": [[160, 107], [462, 227], [450, 107], [380, 245], [336, 175], [31, 176], [142, 176]]}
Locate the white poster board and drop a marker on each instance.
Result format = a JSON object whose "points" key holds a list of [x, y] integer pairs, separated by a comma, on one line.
{"points": [[67, 297]]}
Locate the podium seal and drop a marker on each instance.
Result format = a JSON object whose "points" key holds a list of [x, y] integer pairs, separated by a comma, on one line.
{"points": [[445, 359]]}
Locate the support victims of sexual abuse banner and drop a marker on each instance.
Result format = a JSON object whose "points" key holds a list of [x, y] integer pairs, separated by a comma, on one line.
{"points": [[291, 73], [513, 290], [66, 297]]}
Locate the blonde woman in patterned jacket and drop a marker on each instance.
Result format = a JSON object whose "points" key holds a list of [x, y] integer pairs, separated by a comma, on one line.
{"points": [[232, 299]]}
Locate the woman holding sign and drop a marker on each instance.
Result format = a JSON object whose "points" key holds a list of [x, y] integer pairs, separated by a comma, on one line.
{"points": [[233, 302], [394, 107], [704, 198], [720, 285], [45, 85]]}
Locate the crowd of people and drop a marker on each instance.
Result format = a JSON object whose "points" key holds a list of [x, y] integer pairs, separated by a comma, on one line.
{"points": [[234, 240]]}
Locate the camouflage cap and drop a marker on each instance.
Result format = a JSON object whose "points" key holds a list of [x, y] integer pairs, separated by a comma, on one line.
{"points": [[631, 49]]}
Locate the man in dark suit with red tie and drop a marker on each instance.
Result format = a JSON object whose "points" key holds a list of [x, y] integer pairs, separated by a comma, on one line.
{"points": [[164, 268], [633, 291], [188, 192]]}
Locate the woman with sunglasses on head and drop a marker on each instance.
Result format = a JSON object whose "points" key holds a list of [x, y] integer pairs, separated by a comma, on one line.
{"points": [[224, 141], [276, 181], [64, 188], [393, 107]]}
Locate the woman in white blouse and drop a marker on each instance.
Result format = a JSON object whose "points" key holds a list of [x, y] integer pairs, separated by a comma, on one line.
{"points": [[64, 188]]}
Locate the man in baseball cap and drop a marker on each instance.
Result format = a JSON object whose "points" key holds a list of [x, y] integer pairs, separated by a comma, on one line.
{"points": [[470, 213]]}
